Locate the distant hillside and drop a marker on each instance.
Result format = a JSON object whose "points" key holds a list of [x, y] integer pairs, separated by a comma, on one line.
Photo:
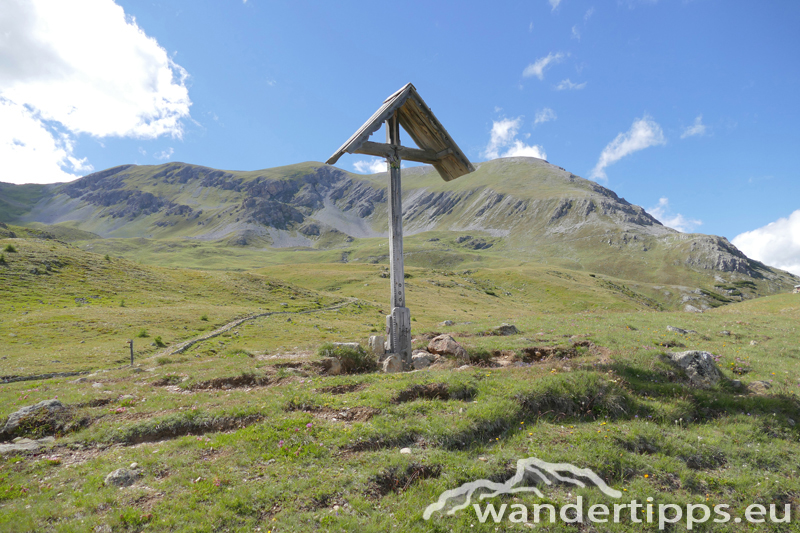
{"points": [[515, 208]]}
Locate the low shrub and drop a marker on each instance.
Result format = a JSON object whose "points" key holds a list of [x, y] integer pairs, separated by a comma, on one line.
{"points": [[354, 360]]}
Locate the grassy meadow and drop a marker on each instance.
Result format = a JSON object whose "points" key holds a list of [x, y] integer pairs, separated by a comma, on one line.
{"points": [[244, 431]]}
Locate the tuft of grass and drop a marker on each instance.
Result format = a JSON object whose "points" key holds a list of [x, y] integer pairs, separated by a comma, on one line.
{"points": [[10, 249], [142, 333], [353, 360], [204, 318], [158, 341], [163, 360], [2, 259]]}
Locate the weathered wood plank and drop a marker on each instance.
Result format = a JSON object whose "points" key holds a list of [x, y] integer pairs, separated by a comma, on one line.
{"points": [[402, 152]]}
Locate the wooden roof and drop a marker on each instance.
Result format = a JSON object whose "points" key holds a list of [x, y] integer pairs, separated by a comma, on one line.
{"points": [[436, 147]]}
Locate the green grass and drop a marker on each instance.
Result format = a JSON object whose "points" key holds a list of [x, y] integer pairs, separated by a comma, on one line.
{"points": [[241, 430]]}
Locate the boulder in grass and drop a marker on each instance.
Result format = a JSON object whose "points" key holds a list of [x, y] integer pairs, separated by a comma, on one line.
{"points": [[699, 367], [41, 417], [447, 346]]}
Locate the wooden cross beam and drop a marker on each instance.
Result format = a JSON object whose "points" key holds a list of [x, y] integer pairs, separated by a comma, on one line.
{"points": [[404, 108]]}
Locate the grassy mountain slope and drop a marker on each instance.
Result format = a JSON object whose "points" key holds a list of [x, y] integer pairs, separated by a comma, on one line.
{"points": [[510, 211]]}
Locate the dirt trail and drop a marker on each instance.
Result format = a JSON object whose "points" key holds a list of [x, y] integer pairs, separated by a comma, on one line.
{"points": [[185, 345]]}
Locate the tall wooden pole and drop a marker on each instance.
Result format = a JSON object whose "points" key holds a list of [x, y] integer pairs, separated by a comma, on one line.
{"points": [[398, 323]]}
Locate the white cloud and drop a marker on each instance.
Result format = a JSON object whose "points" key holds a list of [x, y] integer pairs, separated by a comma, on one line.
{"points": [[672, 220], [698, 128], [588, 15], [554, 4], [80, 67], [537, 68], [644, 132], [777, 244], [567, 85], [164, 154], [530, 27], [370, 166], [544, 115], [30, 152], [576, 34], [503, 141]]}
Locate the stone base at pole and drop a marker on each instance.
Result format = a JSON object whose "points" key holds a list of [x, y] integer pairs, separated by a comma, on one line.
{"points": [[398, 331]]}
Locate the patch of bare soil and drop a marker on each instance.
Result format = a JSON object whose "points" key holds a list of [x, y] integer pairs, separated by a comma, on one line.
{"points": [[235, 382], [346, 414], [431, 391], [397, 480], [343, 389]]}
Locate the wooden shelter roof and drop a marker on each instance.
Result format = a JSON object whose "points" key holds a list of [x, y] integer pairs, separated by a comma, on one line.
{"points": [[436, 147]]}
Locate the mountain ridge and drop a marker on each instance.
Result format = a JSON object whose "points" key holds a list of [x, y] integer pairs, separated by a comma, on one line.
{"points": [[511, 208]]}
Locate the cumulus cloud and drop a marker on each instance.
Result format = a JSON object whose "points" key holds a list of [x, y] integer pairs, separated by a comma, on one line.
{"points": [[777, 244], [537, 67], [164, 154], [544, 115], [676, 221], [370, 166], [80, 67], [554, 4], [567, 85], [503, 141], [644, 132], [698, 128]]}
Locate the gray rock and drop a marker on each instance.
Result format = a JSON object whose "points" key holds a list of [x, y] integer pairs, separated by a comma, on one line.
{"points": [[753, 343], [446, 345], [376, 346], [680, 331], [759, 387], [405, 450], [698, 366], [689, 308], [24, 445], [725, 333], [44, 410], [505, 329], [123, 477], [421, 359], [392, 364], [447, 323]]}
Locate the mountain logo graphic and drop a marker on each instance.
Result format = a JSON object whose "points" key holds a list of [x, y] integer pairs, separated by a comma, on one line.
{"points": [[530, 472]]}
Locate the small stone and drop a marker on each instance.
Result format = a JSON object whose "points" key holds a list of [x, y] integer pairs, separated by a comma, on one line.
{"points": [[134, 466], [405, 450], [482, 458], [791, 422], [505, 329], [122, 477], [392, 364], [759, 387], [447, 323], [464, 367], [725, 333], [421, 359], [753, 343]]}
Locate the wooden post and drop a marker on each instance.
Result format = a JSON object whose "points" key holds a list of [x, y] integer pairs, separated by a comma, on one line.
{"points": [[131, 343], [398, 324]]}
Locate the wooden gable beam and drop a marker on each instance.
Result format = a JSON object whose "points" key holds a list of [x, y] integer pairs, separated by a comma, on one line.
{"points": [[406, 154]]}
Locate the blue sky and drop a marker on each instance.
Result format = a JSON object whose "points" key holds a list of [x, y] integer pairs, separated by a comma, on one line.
{"points": [[687, 108]]}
